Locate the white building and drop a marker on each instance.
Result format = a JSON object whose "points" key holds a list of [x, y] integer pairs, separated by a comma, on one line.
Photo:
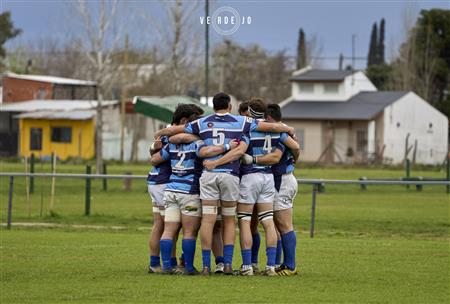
{"points": [[341, 117]]}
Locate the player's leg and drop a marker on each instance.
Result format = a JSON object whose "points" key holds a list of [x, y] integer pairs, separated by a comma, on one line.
{"points": [[283, 220], [244, 214], [156, 193], [229, 194], [279, 246], [209, 195], [190, 219], [172, 221], [217, 244], [256, 238], [265, 215]]}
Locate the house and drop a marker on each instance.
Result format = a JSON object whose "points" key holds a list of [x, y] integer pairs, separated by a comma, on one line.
{"points": [[341, 117], [17, 87], [63, 127]]}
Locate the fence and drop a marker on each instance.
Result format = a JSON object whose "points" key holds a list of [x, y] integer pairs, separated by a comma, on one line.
{"points": [[315, 183]]}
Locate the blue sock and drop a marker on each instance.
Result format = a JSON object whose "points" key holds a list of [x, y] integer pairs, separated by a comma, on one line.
{"points": [[166, 252], [255, 247], [271, 252], [219, 259], [188, 246], [154, 261], [173, 262], [246, 256], [228, 254], [279, 252], [289, 246], [206, 257]]}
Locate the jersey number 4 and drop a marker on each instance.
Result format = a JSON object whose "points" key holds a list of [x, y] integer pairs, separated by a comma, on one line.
{"points": [[267, 147], [218, 137]]}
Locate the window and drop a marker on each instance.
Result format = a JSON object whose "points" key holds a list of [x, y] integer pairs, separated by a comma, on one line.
{"points": [[62, 134], [41, 93], [36, 139], [331, 88], [300, 133], [306, 87], [361, 140]]}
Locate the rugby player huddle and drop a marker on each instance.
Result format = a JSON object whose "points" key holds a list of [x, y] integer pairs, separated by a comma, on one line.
{"points": [[208, 169]]}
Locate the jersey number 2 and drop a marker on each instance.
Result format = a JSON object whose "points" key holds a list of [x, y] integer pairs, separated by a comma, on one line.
{"points": [[182, 156]]}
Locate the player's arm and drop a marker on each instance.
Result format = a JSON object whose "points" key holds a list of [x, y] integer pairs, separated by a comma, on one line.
{"points": [[183, 138], [266, 159], [155, 146], [162, 156], [229, 157], [274, 127], [210, 151], [292, 145], [170, 131]]}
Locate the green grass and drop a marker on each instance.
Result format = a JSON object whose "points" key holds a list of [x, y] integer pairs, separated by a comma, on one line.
{"points": [[385, 244]]}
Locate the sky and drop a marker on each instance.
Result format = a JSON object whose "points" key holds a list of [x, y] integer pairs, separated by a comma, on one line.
{"points": [[274, 24]]}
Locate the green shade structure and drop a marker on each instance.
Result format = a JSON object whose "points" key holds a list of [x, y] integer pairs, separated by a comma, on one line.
{"points": [[162, 108]]}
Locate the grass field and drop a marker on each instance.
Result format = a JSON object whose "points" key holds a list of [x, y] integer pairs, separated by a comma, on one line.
{"points": [[386, 244]]}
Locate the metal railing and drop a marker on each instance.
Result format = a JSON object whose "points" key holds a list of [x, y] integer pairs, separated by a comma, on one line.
{"points": [[316, 184]]}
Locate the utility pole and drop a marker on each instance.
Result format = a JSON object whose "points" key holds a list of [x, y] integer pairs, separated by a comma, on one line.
{"points": [[123, 97], [206, 50]]}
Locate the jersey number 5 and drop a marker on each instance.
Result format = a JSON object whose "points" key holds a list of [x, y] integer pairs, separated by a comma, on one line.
{"points": [[218, 137]]}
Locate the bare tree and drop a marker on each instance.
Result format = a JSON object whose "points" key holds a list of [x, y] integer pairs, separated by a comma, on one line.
{"points": [[101, 40], [314, 50], [176, 33]]}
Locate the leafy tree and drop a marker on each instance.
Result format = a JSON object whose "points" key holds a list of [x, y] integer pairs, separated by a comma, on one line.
{"points": [[7, 31], [371, 57], [301, 50], [380, 75], [380, 46]]}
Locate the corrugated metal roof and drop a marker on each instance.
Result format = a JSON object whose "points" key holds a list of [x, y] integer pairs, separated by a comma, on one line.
{"points": [[52, 115], [362, 106], [53, 105], [51, 79], [322, 75]]}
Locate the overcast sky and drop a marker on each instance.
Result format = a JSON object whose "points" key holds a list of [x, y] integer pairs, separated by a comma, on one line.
{"points": [[274, 24]]}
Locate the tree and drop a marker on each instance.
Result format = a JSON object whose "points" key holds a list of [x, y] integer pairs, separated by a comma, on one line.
{"points": [[380, 46], [97, 28], [371, 57], [178, 39], [423, 64], [7, 31], [301, 50]]}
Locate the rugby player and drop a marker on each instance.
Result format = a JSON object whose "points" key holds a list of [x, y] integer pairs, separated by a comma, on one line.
{"points": [[222, 182], [286, 189]]}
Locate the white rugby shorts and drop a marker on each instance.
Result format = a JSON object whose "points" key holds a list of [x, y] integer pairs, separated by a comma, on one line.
{"points": [[257, 188], [219, 186], [156, 193], [183, 203], [284, 198]]}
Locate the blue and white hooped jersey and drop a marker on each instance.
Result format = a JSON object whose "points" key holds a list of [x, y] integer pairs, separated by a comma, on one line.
{"points": [[286, 164], [160, 174], [186, 166], [263, 143], [219, 129]]}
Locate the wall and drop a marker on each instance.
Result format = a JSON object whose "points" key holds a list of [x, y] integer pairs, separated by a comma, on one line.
{"points": [[312, 147], [350, 86], [82, 131], [23, 90], [411, 114]]}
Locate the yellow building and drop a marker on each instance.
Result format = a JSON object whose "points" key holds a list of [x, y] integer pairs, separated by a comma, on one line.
{"points": [[66, 133]]}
